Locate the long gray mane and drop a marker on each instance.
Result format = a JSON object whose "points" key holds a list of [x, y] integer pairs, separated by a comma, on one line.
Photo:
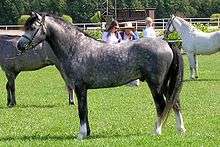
{"points": [[186, 24], [60, 21]]}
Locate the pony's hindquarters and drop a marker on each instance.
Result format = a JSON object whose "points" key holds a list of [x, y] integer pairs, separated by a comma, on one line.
{"points": [[169, 87], [172, 90]]}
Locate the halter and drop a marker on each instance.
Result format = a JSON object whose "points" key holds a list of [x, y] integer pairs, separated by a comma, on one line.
{"points": [[170, 22], [30, 43]]}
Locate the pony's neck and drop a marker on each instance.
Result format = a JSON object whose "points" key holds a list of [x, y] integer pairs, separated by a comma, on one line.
{"points": [[182, 27], [61, 39]]}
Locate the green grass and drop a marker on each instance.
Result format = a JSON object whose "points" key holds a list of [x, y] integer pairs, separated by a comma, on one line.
{"points": [[122, 116]]}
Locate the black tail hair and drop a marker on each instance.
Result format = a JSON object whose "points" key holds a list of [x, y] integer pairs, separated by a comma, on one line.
{"points": [[173, 83]]}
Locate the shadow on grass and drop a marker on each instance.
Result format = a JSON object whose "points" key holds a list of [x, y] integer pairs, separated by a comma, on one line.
{"points": [[198, 80], [37, 137], [35, 106], [67, 137], [101, 136]]}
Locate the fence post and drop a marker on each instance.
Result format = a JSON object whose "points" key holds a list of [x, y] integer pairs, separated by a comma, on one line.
{"points": [[163, 24], [218, 23], [190, 20], [136, 26]]}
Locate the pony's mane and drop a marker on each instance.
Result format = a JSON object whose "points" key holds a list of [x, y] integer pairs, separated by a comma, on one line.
{"points": [[29, 22], [186, 23], [58, 20], [71, 26]]}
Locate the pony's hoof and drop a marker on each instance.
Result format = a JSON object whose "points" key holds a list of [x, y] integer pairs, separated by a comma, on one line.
{"points": [[11, 105], [192, 78], [196, 77], [81, 136], [181, 130], [157, 132], [71, 103]]}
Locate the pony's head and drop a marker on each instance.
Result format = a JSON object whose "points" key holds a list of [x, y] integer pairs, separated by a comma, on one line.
{"points": [[169, 28], [35, 32]]}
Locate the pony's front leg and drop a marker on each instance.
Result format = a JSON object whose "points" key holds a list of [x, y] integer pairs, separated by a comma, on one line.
{"points": [[197, 65], [81, 93], [10, 86], [192, 65]]}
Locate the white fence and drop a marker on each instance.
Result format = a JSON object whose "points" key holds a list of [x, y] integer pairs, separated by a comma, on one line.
{"points": [[139, 24]]}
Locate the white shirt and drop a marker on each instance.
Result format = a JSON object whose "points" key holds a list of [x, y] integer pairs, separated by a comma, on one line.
{"points": [[111, 38], [149, 32]]}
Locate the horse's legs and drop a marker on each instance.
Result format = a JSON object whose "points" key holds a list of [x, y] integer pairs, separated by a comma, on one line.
{"points": [[160, 105], [179, 118], [8, 93], [10, 86], [192, 65], [81, 93], [71, 95], [196, 66], [69, 86]]}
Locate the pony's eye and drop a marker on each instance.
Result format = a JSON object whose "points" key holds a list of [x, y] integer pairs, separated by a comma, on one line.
{"points": [[31, 28]]}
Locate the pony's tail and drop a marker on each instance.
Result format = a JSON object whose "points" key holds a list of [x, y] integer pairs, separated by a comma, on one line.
{"points": [[173, 83]]}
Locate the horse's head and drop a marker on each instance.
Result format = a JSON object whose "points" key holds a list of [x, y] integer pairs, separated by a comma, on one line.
{"points": [[169, 26], [35, 32]]}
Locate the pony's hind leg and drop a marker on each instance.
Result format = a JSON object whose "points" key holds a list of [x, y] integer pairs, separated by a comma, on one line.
{"points": [[192, 65], [160, 105], [179, 118]]}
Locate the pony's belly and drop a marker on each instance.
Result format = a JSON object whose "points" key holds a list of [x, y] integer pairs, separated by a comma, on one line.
{"points": [[208, 52], [111, 80]]}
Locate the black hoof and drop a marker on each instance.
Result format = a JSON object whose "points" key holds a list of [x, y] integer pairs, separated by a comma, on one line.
{"points": [[71, 103], [11, 105], [196, 77]]}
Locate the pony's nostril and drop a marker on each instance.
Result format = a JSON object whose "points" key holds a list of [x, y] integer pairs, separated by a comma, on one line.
{"points": [[18, 46]]}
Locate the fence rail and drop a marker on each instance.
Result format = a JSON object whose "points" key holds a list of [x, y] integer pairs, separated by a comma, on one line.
{"points": [[139, 24]]}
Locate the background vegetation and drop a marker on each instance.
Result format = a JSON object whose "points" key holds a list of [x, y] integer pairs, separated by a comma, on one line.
{"points": [[122, 116], [83, 10]]}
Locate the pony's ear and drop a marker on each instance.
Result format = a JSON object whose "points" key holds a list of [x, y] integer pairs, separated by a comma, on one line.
{"points": [[43, 18], [33, 14], [38, 16], [43, 22]]}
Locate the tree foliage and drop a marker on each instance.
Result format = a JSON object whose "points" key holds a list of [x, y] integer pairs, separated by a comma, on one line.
{"points": [[83, 10]]}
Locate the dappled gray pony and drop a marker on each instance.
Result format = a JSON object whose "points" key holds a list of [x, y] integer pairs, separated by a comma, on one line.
{"points": [[91, 64], [12, 62]]}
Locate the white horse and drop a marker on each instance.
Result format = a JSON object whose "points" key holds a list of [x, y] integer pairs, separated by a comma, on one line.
{"points": [[194, 41]]}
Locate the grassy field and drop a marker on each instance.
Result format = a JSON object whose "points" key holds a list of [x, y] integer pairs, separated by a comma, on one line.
{"points": [[122, 116]]}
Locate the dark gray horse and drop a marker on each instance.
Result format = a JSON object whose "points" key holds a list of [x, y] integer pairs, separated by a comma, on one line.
{"points": [[13, 62], [91, 64]]}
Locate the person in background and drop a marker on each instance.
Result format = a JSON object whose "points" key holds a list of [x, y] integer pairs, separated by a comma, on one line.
{"points": [[112, 35], [128, 32], [149, 30]]}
